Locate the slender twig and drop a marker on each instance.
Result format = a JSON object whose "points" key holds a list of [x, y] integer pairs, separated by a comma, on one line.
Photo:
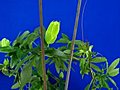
{"points": [[82, 19], [73, 42], [42, 46]]}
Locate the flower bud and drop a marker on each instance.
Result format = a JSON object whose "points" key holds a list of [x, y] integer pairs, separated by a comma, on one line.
{"points": [[4, 42], [61, 75], [52, 32]]}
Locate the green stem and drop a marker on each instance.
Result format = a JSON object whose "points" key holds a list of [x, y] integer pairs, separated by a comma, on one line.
{"points": [[91, 71], [42, 46], [73, 42]]}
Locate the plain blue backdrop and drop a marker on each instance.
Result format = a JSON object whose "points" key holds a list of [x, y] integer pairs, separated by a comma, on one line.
{"points": [[101, 28]]}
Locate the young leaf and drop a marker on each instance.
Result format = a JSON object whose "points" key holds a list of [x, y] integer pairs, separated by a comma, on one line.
{"points": [[95, 67], [14, 60], [113, 65], [5, 71], [1, 66], [15, 86], [30, 39], [65, 36], [79, 43], [83, 67], [113, 82], [104, 83], [64, 39], [26, 74], [99, 59], [6, 49], [6, 62], [20, 38], [61, 75], [67, 51], [4, 42], [59, 53], [52, 32], [87, 87], [24, 35], [54, 52], [57, 67], [90, 48], [22, 62], [82, 63], [114, 72]]}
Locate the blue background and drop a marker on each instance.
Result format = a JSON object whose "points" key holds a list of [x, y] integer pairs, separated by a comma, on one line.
{"points": [[101, 27]]}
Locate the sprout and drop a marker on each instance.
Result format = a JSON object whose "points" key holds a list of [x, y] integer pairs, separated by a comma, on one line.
{"points": [[4, 42]]}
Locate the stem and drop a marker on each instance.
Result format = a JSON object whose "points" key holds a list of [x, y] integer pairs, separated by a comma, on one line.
{"points": [[91, 71], [42, 46], [82, 19], [73, 42]]}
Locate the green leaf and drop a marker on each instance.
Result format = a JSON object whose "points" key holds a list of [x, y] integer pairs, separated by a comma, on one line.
{"points": [[6, 49], [79, 43], [26, 74], [14, 60], [114, 72], [36, 83], [6, 62], [52, 52], [113, 82], [62, 48], [22, 62], [52, 32], [38, 64], [15, 86], [95, 67], [30, 39], [65, 36], [87, 87], [20, 38], [57, 64], [24, 35], [104, 83], [57, 67], [1, 66], [67, 51], [99, 59], [82, 63], [82, 66], [40, 88], [113, 65], [5, 71], [90, 48], [64, 39]]}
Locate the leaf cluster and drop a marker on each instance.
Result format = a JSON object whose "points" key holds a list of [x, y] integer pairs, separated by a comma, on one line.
{"points": [[23, 61]]}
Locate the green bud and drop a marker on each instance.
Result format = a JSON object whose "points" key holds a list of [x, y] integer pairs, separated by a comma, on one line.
{"points": [[52, 32], [6, 62], [90, 48], [4, 42], [61, 75]]}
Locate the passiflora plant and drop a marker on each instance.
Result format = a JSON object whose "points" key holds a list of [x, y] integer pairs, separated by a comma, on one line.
{"points": [[23, 60]]}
